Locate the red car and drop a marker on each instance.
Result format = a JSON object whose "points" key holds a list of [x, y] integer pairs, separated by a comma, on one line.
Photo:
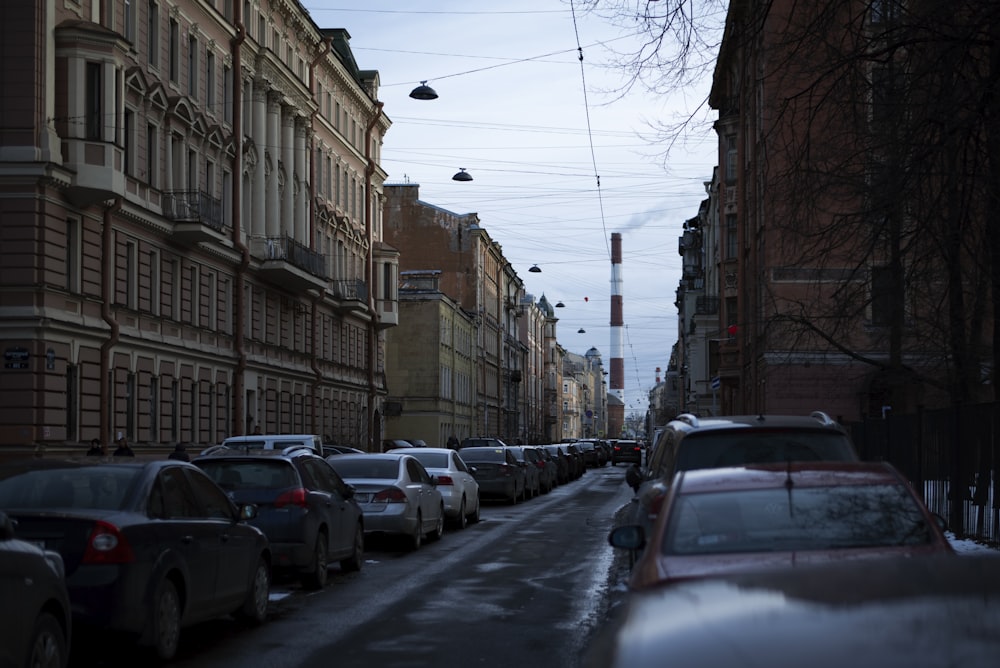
{"points": [[761, 516]]}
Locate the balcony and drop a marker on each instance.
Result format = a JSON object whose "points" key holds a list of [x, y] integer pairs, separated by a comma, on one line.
{"points": [[706, 305], [351, 293], [98, 169], [197, 216], [288, 263]]}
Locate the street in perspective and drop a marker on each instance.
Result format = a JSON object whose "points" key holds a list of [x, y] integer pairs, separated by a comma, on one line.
{"points": [[529, 584]]}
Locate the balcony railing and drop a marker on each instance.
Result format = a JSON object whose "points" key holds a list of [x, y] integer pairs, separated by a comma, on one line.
{"points": [[351, 289], [291, 251], [193, 206], [706, 305]]}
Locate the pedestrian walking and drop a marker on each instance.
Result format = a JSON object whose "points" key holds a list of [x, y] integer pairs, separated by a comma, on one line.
{"points": [[123, 449], [179, 453], [96, 450]]}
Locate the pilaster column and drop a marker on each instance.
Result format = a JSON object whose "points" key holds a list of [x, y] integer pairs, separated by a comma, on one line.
{"points": [[303, 178], [259, 124], [288, 222], [272, 217]]}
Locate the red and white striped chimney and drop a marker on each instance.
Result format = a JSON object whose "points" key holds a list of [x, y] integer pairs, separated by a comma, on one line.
{"points": [[616, 409]]}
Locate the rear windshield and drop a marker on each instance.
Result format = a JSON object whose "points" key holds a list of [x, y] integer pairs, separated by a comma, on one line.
{"points": [[366, 468], [736, 447], [812, 518], [484, 454], [250, 474], [431, 460], [100, 487]]}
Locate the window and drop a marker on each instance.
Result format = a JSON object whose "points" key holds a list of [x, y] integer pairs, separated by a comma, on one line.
{"points": [[731, 237], [732, 316], [731, 159], [93, 111], [153, 32], [129, 27], [152, 156], [175, 290], [174, 47], [154, 282], [130, 141], [887, 92], [154, 406], [210, 81], [131, 277], [72, 402], [72, 257], [884, 11], [130, 406], [195, 296], [227, 93], [883, 293], [193, 66]]}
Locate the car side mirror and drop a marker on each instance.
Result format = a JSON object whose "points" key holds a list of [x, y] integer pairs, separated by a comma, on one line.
{"points": [[6, 527], [248, 511], [627, 537]]}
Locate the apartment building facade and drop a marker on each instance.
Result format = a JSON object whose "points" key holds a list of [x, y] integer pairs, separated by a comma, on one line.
{"points": [[476, 275], [190, 225]]}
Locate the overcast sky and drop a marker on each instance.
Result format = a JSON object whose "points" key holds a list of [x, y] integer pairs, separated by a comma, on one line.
{"points": [[559, 162]]}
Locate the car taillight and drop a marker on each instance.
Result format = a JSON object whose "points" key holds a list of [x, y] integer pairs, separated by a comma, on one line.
{"points": [[540, 465], [107, 545], [445, 480], [390, 495], [293, 497], [655, 504]]}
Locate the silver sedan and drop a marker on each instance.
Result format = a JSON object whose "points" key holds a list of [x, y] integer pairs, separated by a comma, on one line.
{"points": [[396, 494], [458, 488]]}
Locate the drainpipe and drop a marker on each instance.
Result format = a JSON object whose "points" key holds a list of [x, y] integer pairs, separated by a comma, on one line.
{"points": [[107, 281], [314, 356], [239, 280], [370, 277]]}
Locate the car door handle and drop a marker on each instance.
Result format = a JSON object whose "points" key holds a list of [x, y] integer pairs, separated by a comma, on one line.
{"points": [[187, 540], [224, 537]]}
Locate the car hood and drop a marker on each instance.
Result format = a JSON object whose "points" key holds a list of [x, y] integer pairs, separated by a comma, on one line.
{"points": [[936, 611]]}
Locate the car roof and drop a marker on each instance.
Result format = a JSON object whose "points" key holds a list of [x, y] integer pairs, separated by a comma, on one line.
{"points": [[771, 475], [816, 420], [410, 451]]}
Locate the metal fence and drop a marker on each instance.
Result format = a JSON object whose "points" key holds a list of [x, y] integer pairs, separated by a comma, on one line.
{"points": [[950, 454]]}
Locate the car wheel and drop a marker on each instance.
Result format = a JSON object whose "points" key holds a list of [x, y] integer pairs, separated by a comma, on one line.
{"points": [[462, 520], [438, 530], [166, 621], [418, 536], [254, 609], [474, 517], [318, 574], [354, 562], [48, 643]]}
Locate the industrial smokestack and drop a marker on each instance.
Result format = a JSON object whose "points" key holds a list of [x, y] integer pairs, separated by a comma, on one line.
{"points": [[616, 408]]}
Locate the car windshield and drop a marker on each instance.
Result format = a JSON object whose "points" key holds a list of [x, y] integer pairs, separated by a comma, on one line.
{"points": [[250, 474], [366, 468], [734, 447], [813, 518], [432, 460], [99, 487], [484, 454]]}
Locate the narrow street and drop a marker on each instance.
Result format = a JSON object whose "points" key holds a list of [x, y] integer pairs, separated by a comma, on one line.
{"points": [[528, 585]]}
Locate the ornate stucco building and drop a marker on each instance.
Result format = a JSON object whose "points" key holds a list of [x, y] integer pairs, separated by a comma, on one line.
{"points": [[190, 225]]}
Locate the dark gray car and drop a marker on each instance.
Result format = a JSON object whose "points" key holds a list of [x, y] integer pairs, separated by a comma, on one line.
{"points": [[497, 471], [307, 511], [35, 617]]}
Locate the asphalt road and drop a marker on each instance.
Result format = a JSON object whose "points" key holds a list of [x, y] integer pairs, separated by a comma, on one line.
{"points": [[527, 586]]}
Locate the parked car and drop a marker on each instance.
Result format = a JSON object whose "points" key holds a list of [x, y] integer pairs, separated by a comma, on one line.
{"points": [[689, 442], [459, 489], [395, 444], [564, 471], [35, 619], [626, 451], [591, 455], [735, 519], [579, 465], [933, 611], [341, 450], [548, 470], [497, 471], [481, 442], [532, 475], [149, 547], [396, 494], [307, 512], [274, 442]]}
